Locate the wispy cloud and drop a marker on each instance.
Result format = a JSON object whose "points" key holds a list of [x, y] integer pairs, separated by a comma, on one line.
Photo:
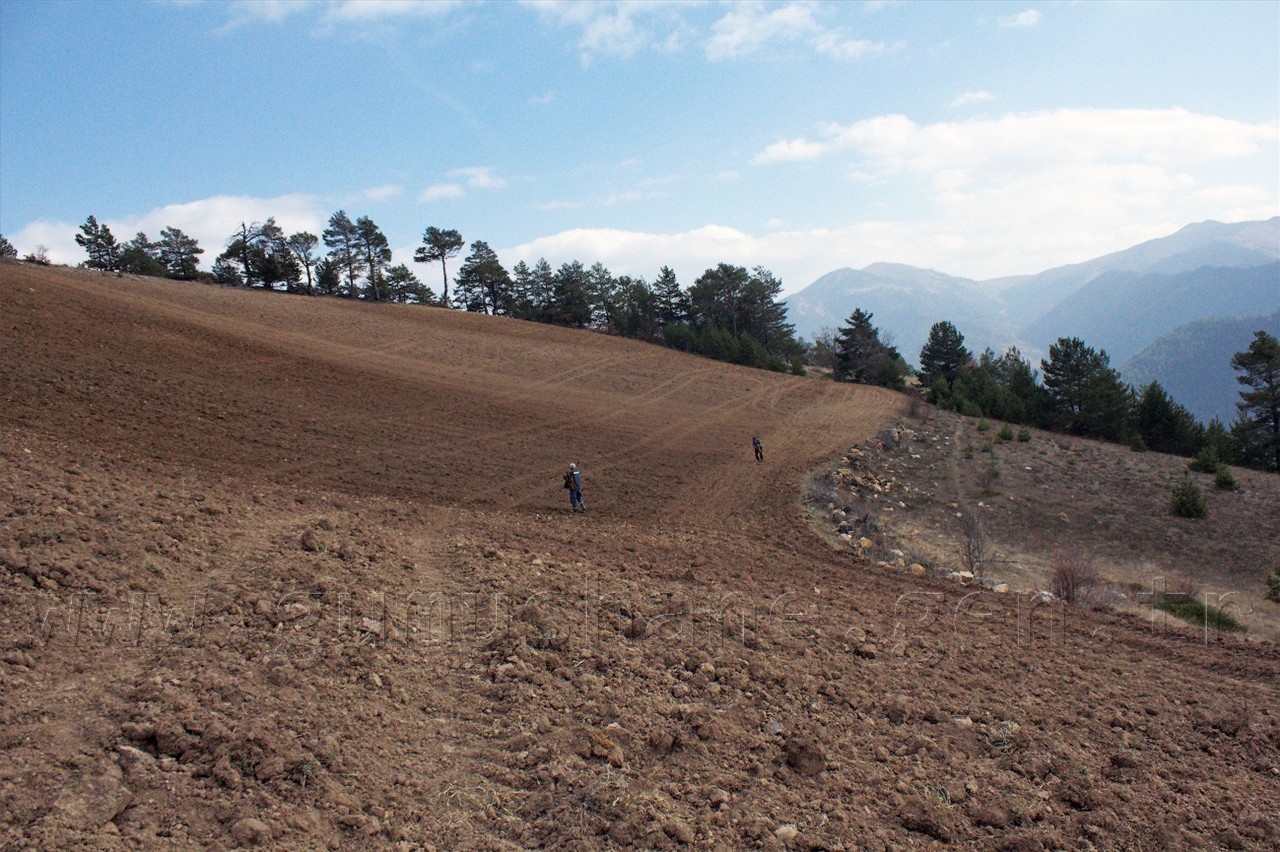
{"points": [[381, 10], [478, 177], [540, 100], [1021, 21], [381, 193], [789, 151], [970, 98], [241, 13], [440, 191], [333, 14], [750, 27], [621, 29]]}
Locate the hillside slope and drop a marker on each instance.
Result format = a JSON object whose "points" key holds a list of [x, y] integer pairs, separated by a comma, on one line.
{"points": [[297, 573]]}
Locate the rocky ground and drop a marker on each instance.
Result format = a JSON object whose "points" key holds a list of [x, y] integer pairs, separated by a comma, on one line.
{"points": [[296, 573]]}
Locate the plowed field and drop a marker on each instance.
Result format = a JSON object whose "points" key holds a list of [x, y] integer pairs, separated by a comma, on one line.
{"points": [[299, 573]]}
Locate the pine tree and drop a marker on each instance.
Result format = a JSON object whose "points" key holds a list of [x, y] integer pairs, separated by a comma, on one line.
{"points": [[376, 251], [1258, 426], [100, 245], [303, 246], [482, 284], [1086, 396], [1165, 426], [863, 358], [439, 244], [343, 239], [672, 302], [179, 253], [943, 354], [140, 256]]}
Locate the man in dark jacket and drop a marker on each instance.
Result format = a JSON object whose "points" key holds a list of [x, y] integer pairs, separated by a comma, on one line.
{"points": [[573, 482]]}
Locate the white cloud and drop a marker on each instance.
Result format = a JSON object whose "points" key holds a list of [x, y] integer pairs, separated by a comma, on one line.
{"points": [[380, 10], [984, 197], [789, 151], [619, 28], [971, 97], [439, 191], [210, 221], [244, 12], [478, 177], [840, 46], [381, 193], [539, 100], [749, 26], [1021, 21]]}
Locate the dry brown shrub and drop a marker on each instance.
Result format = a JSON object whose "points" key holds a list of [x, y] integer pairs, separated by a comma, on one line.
{"points": [[1074, 581]]}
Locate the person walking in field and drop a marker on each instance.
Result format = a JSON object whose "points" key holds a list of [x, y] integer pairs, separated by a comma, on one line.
{"points": [[758, 446], [573, 482]]}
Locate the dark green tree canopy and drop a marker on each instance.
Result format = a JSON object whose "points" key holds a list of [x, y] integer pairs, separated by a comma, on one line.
{"points": [[342, 237], [101, 246], [1258, 426], [303, 247], [140, 256], [375, 248], [1165, 426], [179, 253], [1085, 395], [863, 358], [439, 244], [943, 354], [482, 284]]}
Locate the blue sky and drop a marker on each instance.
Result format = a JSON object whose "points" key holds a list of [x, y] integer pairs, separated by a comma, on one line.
{"points": [[980, 139]]}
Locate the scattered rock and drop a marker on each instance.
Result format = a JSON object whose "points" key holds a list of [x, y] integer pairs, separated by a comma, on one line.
{"points": [[93, 799], [251, 832], [786, 833], [924, 817], [679, 831], [990, 815], [805, 756]]}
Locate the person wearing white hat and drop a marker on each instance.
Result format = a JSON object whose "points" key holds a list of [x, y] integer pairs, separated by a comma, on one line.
{"points": [[573, 482]]}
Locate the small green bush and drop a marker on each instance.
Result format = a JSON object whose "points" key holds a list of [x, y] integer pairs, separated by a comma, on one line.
{"points": [[1206, 461], [1273, 585], [1005, 433], [1225, 481], [983, 425], [1138, 445], [1198, 612], [1024, 435], [968, 451], [1187, 501]]}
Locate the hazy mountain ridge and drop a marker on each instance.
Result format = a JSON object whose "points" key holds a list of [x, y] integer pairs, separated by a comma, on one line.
{"points": [[1106, 312], [1122, 302], [1193, 363]]}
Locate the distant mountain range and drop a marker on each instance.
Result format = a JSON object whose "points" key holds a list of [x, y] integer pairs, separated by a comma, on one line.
{"points": [[1149, 307], [1193, 363]]}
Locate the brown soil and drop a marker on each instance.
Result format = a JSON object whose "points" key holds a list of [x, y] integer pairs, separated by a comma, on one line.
{"points": [[298, 573]]}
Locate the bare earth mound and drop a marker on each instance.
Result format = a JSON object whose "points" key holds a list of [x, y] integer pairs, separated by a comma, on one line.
{"points": [[298, 573]]}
